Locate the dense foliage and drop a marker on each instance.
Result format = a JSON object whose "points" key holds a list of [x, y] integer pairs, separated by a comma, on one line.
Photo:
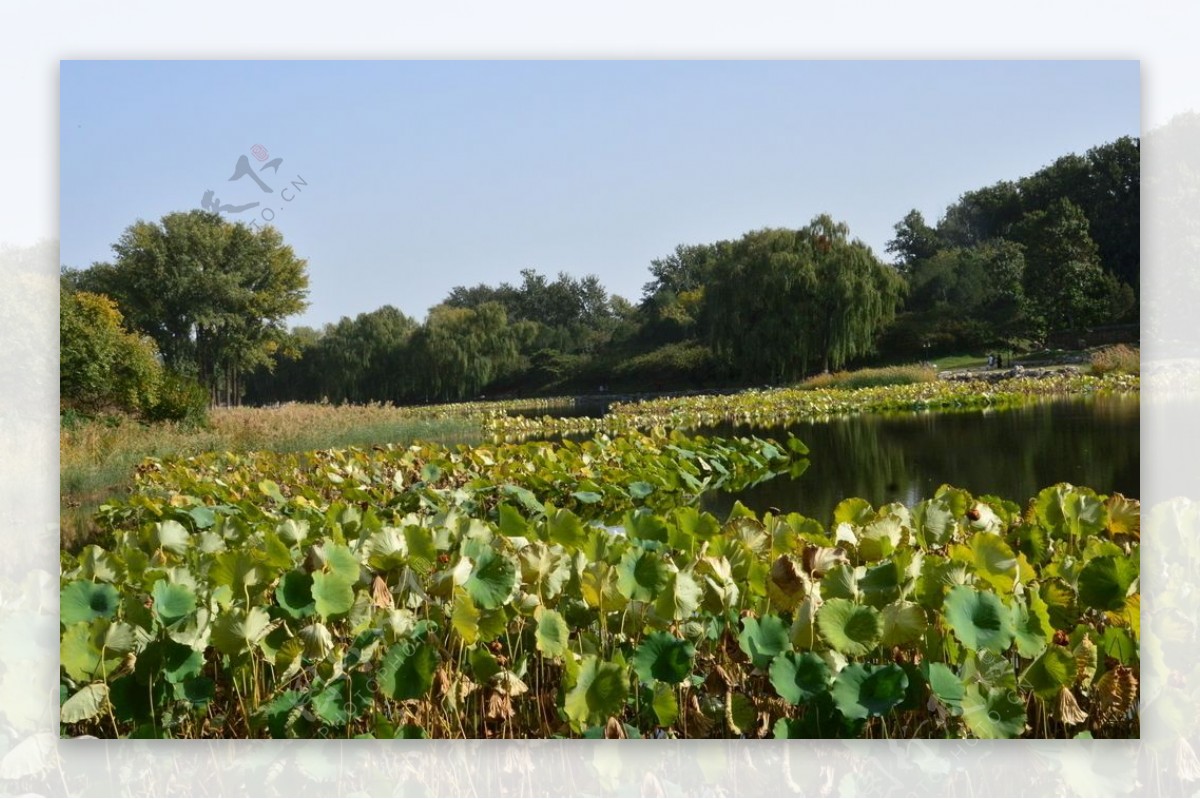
{"points": [[211, 294], [425, 591]]}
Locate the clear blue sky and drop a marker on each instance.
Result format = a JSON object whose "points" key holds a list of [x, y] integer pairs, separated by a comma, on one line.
{"points": [[426, 175]]}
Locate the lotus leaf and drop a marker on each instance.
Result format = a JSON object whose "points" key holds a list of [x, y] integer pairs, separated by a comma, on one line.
{"points": [[84, 704], [663, 657], [797, 676], [993, 713], [1104, 582], [642, 574], [83, 601], [863, 690], [903, 623], [599, 691], [553, 634], [764, 638], [979, 619], [851, 629], [407, 670], [236, 630]]}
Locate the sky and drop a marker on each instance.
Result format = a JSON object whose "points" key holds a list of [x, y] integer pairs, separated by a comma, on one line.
{"points": [[398, 180]]}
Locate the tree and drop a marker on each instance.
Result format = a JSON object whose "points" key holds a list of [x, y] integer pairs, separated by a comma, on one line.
{"points": [[102, 366], [212, 294], [915, 241], [1064, 281], [780, 300]]}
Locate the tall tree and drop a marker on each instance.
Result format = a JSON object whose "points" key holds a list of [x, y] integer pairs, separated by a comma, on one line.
{"points": [[781, 300], [1063, 278], [211, 294]]}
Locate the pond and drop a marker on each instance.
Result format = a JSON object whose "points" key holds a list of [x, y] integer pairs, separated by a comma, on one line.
{"points": [[1011, 453]]}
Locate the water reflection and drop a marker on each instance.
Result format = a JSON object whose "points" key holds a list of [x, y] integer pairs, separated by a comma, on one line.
{"points": [[1010, 453]]}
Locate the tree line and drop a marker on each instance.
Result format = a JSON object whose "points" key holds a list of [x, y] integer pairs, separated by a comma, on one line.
{"points": [[1004, 266]]}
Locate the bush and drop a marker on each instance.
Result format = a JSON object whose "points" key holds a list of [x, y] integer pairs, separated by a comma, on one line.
{"points": [[1120, 359], [180, 399], [865, 378], [103, 367]]}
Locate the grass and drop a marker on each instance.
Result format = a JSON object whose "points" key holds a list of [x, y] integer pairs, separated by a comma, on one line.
{"points": [[97, 457], [866, 378], [1120, 359]]}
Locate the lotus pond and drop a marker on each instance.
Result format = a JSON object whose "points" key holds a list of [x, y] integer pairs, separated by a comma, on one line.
{"points": [[611, 587]]}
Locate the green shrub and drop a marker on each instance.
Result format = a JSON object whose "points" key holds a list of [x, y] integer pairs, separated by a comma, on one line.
{"points": [[180, 399], [102, 367]]}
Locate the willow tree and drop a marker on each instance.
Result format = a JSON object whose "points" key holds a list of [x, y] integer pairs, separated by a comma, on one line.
{"points": [[781, 301], [458, 351]]}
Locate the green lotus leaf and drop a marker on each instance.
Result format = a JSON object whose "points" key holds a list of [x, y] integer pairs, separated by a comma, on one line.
{"points": [[464, 618], [1033, 542], [1051, 672], [295, 594], [1060, 604], [663, 657], [642, 574], [340, 560], [993, 713], [880, 585], [854, 511], [343, 700], [492, 580], [587, 497], [172, 536], [333, 594], [934, 522], [840, 582], [861, 691], [1116, 642], [851, 629], [196, 690], [512, 524], [665, 704], [293, 530], [96, 565], [764, 638], [236, 631], [640, 489], [600, 691], [680, 598], [544, 569], [174, 661], [804, 625], [567, 529], [994, 561], [552, 635], [194, 631], [82, 601], [1069, 512], [945, 685], [407, 670], [992, 670], [236, 569], [386, 549], [642, 525], [879, 539], [979, 619], [277, 711], [903, 623], [84, 704], [1032, 626], [797, 676], [317, 641], [172, 602], [95, 649], [821, 719], [1104, 583]]}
